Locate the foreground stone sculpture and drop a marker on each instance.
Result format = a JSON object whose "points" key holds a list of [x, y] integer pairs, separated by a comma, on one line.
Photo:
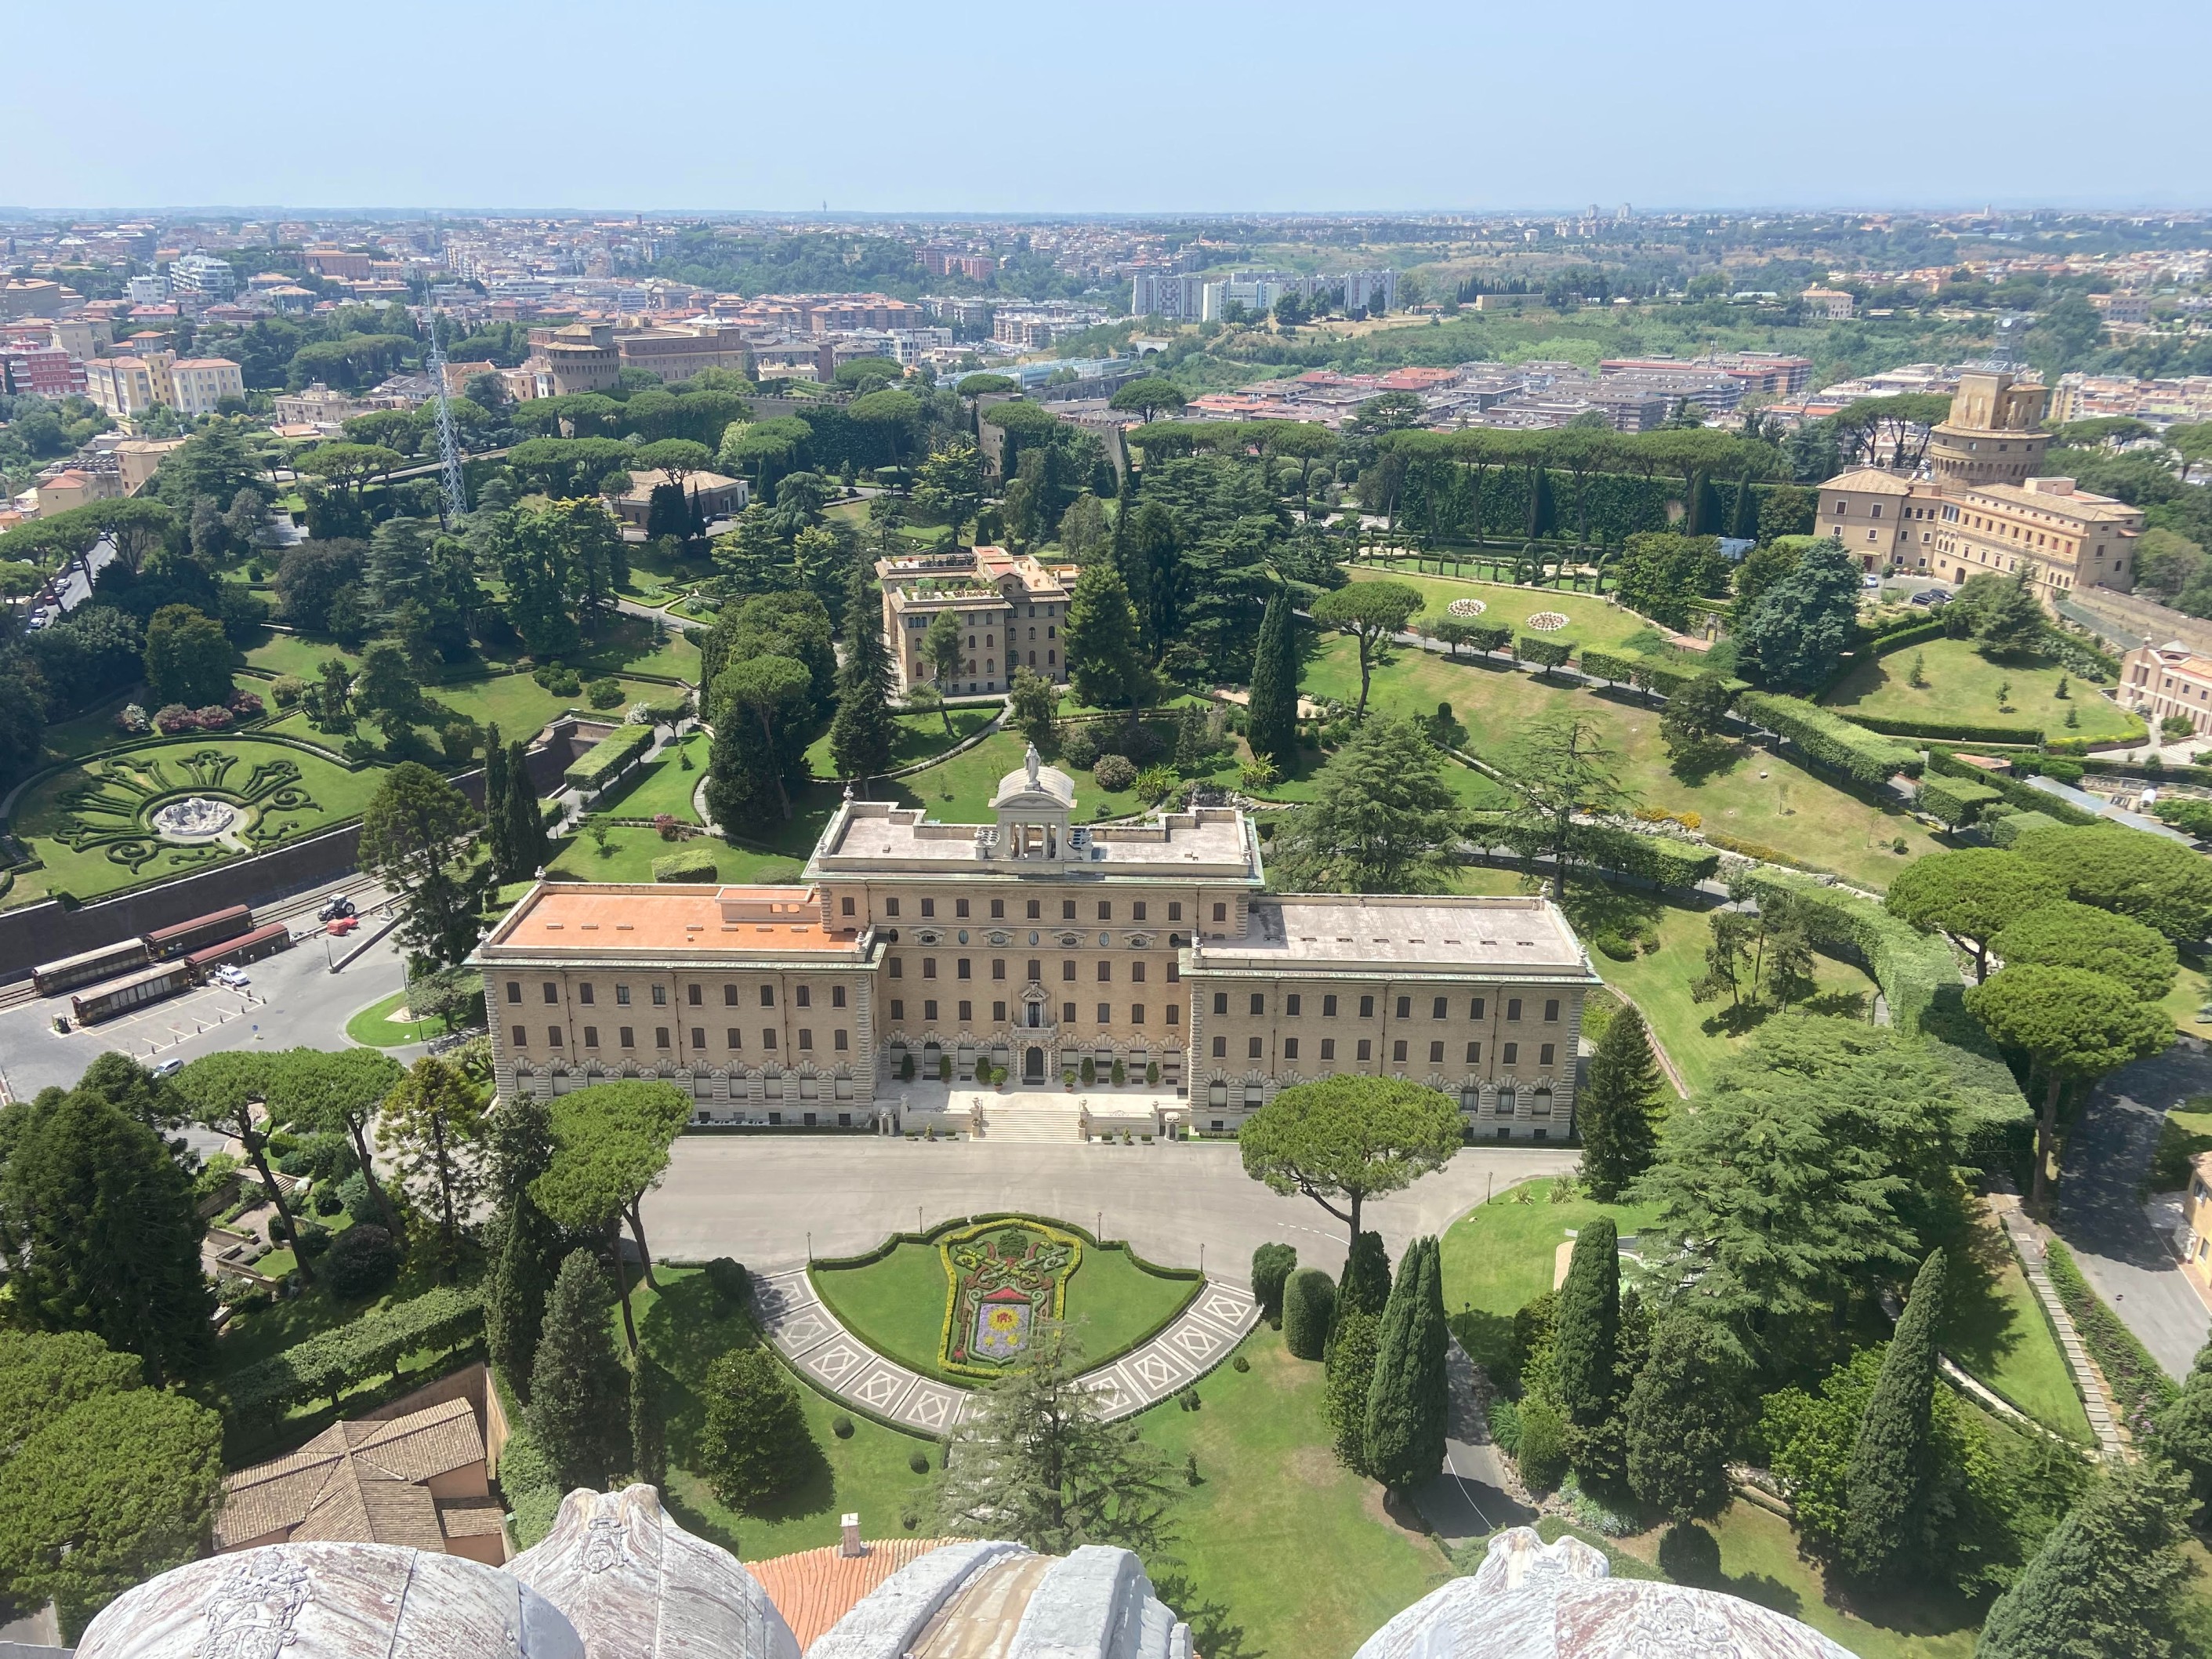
{"points": [[1530, 1599]]}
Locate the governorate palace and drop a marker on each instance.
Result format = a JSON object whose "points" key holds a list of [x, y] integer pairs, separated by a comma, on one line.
{"points": [[913, 951]]}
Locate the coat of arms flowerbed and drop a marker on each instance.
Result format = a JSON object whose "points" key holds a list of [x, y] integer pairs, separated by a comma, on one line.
{"points": [[1004, 1277]]}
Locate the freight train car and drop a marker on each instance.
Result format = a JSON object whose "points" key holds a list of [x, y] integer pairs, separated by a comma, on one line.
{"points": [[183, 937], [120, 996], [264, 940], [50, 979]]}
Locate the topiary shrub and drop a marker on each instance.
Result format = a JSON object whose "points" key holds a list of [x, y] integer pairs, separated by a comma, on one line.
{"points": [[944, 1068], [1240, 1364], [1309, 1301], [906, 1067], [1080, 750], [732, 1285], [1114, 772], [1542, 1459], [842, 1426], [363, 1261], [313, 1240], [1271, 1267], [919, 1463], [1613, 946], [693, 864], [755, 1446], [1151, 1073], [1090, 1071], [1121, 1073], [1689, 1554], [603, 693]]}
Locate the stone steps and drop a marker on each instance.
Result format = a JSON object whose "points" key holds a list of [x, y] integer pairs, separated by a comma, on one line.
{"points": [[2087, 1378], [1034, 1124]]}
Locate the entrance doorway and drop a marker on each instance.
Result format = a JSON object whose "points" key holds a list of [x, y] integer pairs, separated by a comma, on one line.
{"points": [[1033, 1065]]}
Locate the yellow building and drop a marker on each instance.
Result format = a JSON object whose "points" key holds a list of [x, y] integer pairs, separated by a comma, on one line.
{"points": [[1010, 608], [1037, 945], [199, 385], [126, 386]]}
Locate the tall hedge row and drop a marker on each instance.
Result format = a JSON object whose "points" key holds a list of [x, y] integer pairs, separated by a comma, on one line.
{"points": [[2023, 796], [1916, 972], [329, 1362], [1828, 739], [1956, 801], [609, 756]]}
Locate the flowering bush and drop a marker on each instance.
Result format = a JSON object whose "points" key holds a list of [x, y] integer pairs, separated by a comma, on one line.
{"points": [[133, 720], [246, 705], [288, 690], [670, 828], [175, 718], [215, 717]]}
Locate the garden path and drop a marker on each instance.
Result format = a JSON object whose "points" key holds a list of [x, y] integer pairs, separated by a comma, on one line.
{"points": [[816, 1343]]}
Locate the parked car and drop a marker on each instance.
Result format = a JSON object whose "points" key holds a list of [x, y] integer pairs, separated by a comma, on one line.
{"points": [[1931, 596], [1872, 584], [169, 1067], [232, 976]]}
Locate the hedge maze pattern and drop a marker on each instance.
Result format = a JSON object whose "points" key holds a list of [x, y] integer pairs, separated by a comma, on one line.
{"points": [[114, 810]]}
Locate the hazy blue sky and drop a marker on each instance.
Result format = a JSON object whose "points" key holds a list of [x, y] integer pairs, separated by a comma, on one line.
{"points": [[1039, 107]]}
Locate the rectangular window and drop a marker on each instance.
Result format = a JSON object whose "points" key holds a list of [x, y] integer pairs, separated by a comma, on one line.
{"points": [[735, 1037], [515, 990], [805, 998], [1136, 1013], [1174, 909], [1551, 1008], [1221, 913], [964, 967], [1258, 1002], [1068, 909], [1105, 1013], [1252, 1048], [967, 1012], [960, 909], [660, 996], [1366, 1049], [842, 1040], [767, 996], [891, 906], [1105, 971], [1405, 1007], [1435, 1054], [805, 1037], [1220, 1046], [1329, 1007], [1175, 971], [1035, 909], [1105, 910], [1544, 1055], [629, 1036], [836, 996], [898, 1008], [1476, 1010], [1367, 1007], [997, 909], [660, 1037], [521, 1037], [1437, 1010], [1037, 971], [898, 966], [584, 994], [1221, 1002], [591, 1037], [1067, 1014], [1513, 1008], [1136, 911], [998, 967], [696, 995], [1398, 1053], [1290, 1048], [844, 907], [929, 1010], [929, 966], [1474, 1054], [729, 996], [1067, 971], [1175, 1014], [698, 1037], [1512, 1054], [929, 907], [1136, 973], [998, 1013], [552, 991], [768, 1038]]}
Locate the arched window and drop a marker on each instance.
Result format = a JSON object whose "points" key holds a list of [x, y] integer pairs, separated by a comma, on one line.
{"points": [[1505, 1103]]}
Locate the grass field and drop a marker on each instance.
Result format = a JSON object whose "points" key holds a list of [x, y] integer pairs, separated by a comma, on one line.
{"points": [[1996, 1331], [335, 794], [920, 736], [1500, 1255], [898, 1304], [375, 1027], [632, 849], [1752, 795], [1591, 620], [663, 786], [1962, 685]]}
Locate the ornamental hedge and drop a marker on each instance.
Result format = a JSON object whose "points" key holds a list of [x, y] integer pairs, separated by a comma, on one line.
{"points": [[1828, 739], [694, 864], [620, 749], [1605, 665], [2007, 828], [329, 1363], [1918, 973], [1956, 801], [1951, 731], [2140, 1387], [1545, 654], [1660, 860], [2023, 796]]}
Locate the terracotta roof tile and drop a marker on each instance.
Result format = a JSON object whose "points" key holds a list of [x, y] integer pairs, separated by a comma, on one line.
{"points": [[814, 1588]]}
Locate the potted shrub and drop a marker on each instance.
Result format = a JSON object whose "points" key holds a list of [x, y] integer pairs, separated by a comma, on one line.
{"points": [[944, 1068], [1151, 1073], [1121, 1072], [1090, 1071], [1067, 1077], [906, 1067]]}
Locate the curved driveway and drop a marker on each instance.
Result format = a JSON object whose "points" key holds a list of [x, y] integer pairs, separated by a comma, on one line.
{"points": [[769, 1199]]}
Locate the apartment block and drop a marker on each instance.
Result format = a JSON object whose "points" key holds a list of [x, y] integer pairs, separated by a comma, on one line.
{"points": [[197, 385], [1009, 608]]}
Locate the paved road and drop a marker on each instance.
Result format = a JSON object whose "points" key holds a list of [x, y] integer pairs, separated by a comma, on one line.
{"points": [[2100, 1220], [763, 1198]]}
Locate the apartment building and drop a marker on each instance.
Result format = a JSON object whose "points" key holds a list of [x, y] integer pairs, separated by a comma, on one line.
{"points": [[127, 386], [47, 370], [337, 262], [199, 385], [2159, 681], [202, 275], [2196, 1234], [1832, 303], [1033, 943], [1009, 607]]}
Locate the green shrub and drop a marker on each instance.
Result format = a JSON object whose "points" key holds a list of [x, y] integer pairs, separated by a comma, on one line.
{"points": [[2063, 771], [361, 1262], [560, 681], [1114, 772], [1689, 1554], [1828, 739], [1613, 946], [1078, 749], [755, 1446], [732, 1285], [603, 693], [1545, 654], [2026, 798], [1309, 1301], [842, 1426], [531, 1486], [694, 864], [1240, 1364], [1271, 1267], [1504, 1416], [1916, 972], [918, 1462], [906, 1067], [331, 1361], [2138, 1384], [1542, 1457], [609, 758], [1605, 665], [1950, 731], [1955, 801]]}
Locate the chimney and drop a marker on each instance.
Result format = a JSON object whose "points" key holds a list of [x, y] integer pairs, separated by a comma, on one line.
{"points": [[851, 1544]]}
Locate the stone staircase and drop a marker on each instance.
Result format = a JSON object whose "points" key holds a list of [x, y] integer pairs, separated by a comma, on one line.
{"points": [[2027, 1244], [1032, 1119]]}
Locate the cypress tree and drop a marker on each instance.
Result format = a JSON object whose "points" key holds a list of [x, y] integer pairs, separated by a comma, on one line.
{"points": [[2184, 1429], [1403, 1440], [649, 1425], [1271, 1267], [1364, 1284], [497, 836], [1308, 1309], [1613, 1111], [1889, 1459], [579, 1391], [525, 822], [1353, 1350], [1587, 1326], [523, 1264], [1681, 1422], [2108, 1580], [1272, 727], [861, 733]]}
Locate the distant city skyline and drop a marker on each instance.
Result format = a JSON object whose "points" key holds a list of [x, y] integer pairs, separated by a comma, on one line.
{"points": [[568, 107]]}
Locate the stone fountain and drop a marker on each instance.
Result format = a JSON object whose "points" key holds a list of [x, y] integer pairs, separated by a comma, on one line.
{"points": [[195, 818]]}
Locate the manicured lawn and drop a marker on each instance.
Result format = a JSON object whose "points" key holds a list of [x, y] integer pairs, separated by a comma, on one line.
{"points": [[1997, 1332], [898, 1304], [1753, 795], [665, 786], [299, 654], [626, 645], [1760, 1562], [2190, 993], [93, 729], [1500, 1255], [1301, 1552], [326, 793], [1962, 686], [1591, 619], [631, 851], [920, 736], [375, 1027]]}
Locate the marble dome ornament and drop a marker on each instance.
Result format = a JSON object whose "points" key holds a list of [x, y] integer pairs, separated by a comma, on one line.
{"points": [[194, 818]]}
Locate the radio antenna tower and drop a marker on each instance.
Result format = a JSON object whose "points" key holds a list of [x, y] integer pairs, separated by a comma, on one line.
{"points": [[456, 487]]}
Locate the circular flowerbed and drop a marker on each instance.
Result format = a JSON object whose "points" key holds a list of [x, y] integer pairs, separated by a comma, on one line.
{"points": [[964, 1302], [1466, 607], [1547, 622]]}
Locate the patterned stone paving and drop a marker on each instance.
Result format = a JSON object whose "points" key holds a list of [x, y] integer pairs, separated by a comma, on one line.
{"points": [[810, 1336]]}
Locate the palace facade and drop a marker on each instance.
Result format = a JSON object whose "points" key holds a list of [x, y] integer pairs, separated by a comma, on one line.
{"points": [[914, 950]]}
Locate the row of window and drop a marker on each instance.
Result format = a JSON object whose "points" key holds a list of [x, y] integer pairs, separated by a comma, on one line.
{"points": [[1509, 1054], [964, 967], [802, 996], [626, 1037], [1439, 1007], [967, 1012], [1139, 909]]}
